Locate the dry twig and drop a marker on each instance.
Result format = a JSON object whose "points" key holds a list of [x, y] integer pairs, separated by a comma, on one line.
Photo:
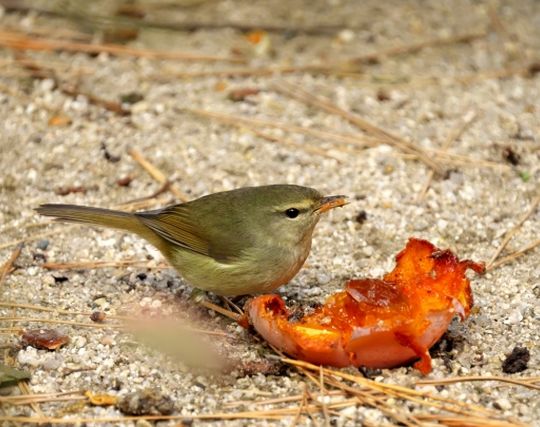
{"points": [[416, 47], [25, 389], [81, 265], [261, 71], [523, 382], [514, 255], [288, 142], [510, 233], [40, 71], [59, 322], [8, 265], [360, 141], [227, 313], [20, 41], [389, 138], [155, 173], [454, 136]]}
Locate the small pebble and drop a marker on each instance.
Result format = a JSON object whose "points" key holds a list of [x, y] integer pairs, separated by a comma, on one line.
{"points": [[42, 244], [516, 361]]}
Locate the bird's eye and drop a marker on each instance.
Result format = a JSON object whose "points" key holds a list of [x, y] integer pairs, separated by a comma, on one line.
{"points": [[292, 212]]}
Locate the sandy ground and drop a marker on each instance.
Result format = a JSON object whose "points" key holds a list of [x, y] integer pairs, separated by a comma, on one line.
{"points": [[423, 97]]}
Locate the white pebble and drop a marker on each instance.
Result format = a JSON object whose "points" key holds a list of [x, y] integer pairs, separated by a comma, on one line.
{"points": [[504, 403], [514, 317]]}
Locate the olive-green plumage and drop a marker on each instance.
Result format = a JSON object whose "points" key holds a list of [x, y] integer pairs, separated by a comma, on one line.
{"points": [[243, 241]]}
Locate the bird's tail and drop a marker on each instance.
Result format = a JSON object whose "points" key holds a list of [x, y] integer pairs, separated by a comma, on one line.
{"points": [[95, 216], [104, 218]]}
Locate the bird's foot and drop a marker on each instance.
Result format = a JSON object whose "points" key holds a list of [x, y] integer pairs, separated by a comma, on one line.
{"points": [[198, 295]]}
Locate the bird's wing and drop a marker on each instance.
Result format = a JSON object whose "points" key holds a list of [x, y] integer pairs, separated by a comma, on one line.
{"points": [[178, 225]]}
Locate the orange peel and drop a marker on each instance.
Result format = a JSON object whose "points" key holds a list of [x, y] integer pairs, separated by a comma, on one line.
{"points": [[377, 323]]}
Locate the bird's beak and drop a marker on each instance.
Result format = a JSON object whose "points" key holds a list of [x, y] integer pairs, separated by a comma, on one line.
{"points": [[331, 202]]}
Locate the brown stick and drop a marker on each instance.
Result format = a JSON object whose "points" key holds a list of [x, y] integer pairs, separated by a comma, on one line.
{"points": [[415, 47], [20, 41], [510, 233], [59, 322], [359, 140], [454, 136], [157, 174], [522, 382], [41, 72], [101, 264], [25, 389], [8, 265], [113, 106], [243, 123], [514, 255], [227, 313], [389, 138], [288, 142]]}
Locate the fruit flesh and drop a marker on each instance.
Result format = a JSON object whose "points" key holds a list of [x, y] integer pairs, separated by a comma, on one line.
{"points": [[378, 323]]}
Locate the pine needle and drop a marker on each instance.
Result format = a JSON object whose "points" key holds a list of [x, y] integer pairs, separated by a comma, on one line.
{"points": [[8, 265], [388, 138], [512, 232]]}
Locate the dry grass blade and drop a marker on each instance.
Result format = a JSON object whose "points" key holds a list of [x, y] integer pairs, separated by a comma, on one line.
{"points": [[497, 73], [510, 233], [113, 106], [87, 314], [391, 390], [59, 322], [303, 403], [416, 47], [25, 227], [525, 382], [454, 136], [155, 173], [40, 71], [323, 398], [387, 137], [82, 265], [26, 399], [8, 265], [461, 160], [270, 414], [277, 400], [360, 141], [260, 71], [243, 123], [34, 399], [25, 389], [468, 421], [514, 255], [20, 41], [288, 142]]}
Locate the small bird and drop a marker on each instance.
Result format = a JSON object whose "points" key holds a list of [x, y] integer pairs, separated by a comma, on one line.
{"points": [[244, 241]]}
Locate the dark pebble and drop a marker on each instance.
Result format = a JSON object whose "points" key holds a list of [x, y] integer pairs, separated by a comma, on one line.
{"points": [[516, 361], [361, 217], [369, 373]]}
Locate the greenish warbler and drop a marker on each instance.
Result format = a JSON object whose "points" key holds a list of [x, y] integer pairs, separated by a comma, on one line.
{"points": [[243, 241]]}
